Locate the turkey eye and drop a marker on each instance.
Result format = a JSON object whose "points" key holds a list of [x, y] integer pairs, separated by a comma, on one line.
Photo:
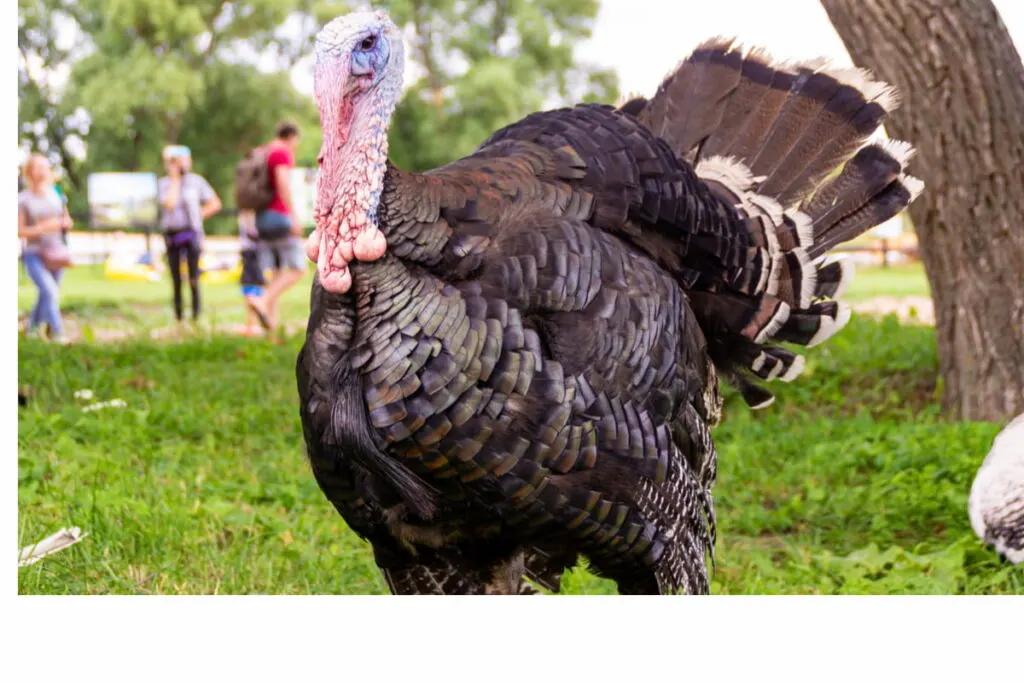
{"points": [[368, 43]]}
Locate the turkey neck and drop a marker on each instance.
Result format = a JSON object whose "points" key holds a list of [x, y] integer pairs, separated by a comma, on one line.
{"points": [[355, 175]]}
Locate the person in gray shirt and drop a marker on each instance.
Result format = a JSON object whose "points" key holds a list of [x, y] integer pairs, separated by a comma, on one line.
{"points": [[42, 217], [186, 200]]}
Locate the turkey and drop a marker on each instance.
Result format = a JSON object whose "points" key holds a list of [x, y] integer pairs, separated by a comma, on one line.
{"points": [[512, 362], [996, 503]]}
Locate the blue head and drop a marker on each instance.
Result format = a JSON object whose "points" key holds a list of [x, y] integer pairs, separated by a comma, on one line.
{"points": [[357, 84], [359, 56]]}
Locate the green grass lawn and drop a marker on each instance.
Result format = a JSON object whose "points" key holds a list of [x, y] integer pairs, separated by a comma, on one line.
{"points": [[897, 280], [850, 483], [89, 298]]}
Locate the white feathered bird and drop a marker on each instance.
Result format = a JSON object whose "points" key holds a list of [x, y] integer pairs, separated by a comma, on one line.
{"points": [[996, 504]]}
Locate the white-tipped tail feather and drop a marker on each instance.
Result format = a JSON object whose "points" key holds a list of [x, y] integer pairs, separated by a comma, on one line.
{"points": [[795, 370], [774, 324], [758, 362], [804, 228], [848, 272], [729, 172], [829, 326], [915, 186], [900, 150]]}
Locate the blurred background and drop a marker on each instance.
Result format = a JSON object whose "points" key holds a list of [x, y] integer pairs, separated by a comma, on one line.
{"points": [[855, 481]]}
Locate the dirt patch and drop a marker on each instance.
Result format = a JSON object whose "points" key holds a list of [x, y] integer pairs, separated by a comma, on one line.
{"points": [[75, 329], [917, 310]]}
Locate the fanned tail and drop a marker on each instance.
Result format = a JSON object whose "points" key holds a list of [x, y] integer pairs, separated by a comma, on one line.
{"points": [[787, 146]]}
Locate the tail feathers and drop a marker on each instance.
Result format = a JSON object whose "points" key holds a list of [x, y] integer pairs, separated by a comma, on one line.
{"points": [[888, 203], [806, 99], [777, 363], [749, 364], [850, 108], [786, 291], [751, 107], [713, 70], [833, 279], [869, 171], [845, 123], [748, 318], [814, 325], [782, 267], [710, 75], [786, 145], [791, 123], [755, 395], [633, 105]]}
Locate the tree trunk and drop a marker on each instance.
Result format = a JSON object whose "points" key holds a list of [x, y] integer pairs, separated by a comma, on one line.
{"points": [[962, 86]]}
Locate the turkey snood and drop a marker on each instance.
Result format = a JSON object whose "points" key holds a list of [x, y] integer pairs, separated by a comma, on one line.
{"points": [[357, 81]]}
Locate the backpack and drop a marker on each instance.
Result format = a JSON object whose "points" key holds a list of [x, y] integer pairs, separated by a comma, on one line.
{"points": [[252, 181]]}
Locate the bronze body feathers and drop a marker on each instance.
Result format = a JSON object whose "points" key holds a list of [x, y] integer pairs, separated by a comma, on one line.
{"points": [[530, 373]]}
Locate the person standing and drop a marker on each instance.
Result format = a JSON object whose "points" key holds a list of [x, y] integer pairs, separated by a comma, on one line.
{"points": [[186, 200], [284, 255], [42, 216], [252, 279]]}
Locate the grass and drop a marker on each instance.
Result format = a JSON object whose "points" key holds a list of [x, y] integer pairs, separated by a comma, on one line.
{"points": [[89, 298], [850, 483], [897, 280]]}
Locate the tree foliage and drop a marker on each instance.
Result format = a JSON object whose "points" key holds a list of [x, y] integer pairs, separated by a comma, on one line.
{"points": [[47, 123], [485, 64], [215, 75]]}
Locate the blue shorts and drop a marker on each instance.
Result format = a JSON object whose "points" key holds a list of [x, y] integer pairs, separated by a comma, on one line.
{"points": [[252, 290], [274, 222]]}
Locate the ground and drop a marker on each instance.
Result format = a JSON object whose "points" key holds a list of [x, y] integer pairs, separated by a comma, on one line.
{"points": [[850, 483], [105, 310]]}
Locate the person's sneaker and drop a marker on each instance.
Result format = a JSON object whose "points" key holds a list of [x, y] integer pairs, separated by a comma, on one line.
{"points": [[61, 339], [33, 333]]}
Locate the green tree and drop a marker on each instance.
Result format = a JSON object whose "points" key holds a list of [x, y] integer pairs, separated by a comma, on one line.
{"points": [[486, 64], [214, 75], [47, 122], [166, 71]]}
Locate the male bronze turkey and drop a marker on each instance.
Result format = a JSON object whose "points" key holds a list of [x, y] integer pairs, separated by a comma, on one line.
{"points": [[512, 361]]}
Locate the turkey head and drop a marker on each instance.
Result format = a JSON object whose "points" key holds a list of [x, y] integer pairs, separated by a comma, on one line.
{"points": [[357, 83]]}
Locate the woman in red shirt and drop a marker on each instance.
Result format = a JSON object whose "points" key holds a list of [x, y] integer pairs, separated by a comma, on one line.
{"points": [[286, 256]]}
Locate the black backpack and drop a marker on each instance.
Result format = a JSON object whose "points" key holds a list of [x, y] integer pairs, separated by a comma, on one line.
{"points": [[252, 181]]}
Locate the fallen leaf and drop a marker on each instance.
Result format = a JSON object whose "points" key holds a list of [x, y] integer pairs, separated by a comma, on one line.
{"points": [[138, 382]]}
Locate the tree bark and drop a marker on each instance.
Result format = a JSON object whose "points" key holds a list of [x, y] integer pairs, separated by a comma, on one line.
{"points": [[962, 86]]}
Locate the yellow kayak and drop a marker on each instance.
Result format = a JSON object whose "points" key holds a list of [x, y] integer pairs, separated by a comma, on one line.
{"points": [[130, 270]]}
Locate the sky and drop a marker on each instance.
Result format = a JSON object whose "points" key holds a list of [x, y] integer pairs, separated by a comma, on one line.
{"points": [[644, 39]]}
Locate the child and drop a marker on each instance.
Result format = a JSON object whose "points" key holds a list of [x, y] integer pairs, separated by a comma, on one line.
{"points": [[252, 272]]}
